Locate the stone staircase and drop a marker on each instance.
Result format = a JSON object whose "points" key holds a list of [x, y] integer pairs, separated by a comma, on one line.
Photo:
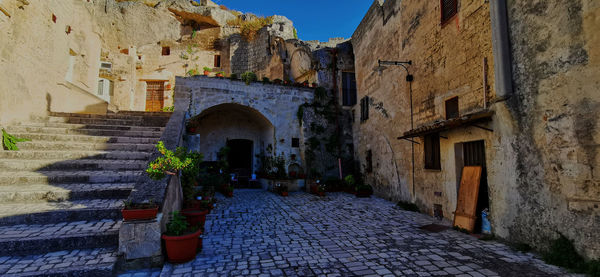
{"points": [[61, 194]]}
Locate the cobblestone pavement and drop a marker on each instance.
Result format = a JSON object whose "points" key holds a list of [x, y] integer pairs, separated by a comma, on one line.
{"points": [[21, 265], [258, 233]]}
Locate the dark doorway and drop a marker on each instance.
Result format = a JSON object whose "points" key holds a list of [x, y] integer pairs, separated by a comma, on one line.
{"points": [[240, 159], [474, 155]]}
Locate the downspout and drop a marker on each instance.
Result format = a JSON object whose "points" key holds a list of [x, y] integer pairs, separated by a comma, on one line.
{"points": [[501, 49]]}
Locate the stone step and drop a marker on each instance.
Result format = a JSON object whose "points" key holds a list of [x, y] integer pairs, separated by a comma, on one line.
{"points": [[141, 133], [95, 127], [52, 212], [94, 121], [101, 116], [94, 262], [63, 192], [64, 155], [85, 164], [85, 138], [80, 146], [36, 238], [143, 113], [67, 177]]}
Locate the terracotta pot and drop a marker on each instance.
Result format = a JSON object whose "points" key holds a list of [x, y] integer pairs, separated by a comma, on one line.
{"points": [[181, 249], [206, 73], [314, 189], [284, 193], [220, 75], [321, 193], [195, 217], [139, 214]]}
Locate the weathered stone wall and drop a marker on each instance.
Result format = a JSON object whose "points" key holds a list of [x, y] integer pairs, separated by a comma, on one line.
{"points": [[44, 65], [552, 133], [541, 151], [277, 104], [447, 62]]}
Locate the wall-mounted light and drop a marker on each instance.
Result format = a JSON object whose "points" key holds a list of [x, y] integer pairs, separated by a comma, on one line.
{"points": [[381, 66]]}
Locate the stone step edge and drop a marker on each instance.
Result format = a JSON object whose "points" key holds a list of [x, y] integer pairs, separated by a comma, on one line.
{"points": [[27, 246]]}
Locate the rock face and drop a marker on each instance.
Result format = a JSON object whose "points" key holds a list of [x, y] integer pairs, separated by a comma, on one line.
{"points": [[111, 55], [538, 147]]}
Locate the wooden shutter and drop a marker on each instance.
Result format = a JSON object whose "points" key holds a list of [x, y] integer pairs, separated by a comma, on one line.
{"points": [[217, 62], [432, 152], [452, 108]]}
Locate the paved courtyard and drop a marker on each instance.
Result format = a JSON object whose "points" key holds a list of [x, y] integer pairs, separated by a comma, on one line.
{"points": [[257, 233]]}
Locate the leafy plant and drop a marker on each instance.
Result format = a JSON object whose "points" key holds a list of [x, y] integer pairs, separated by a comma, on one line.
{"points": [[407, 206], [266, 80], [221, 73], [233, 76], [177, 225], [129, 205], [249, 77], [207, 69], [249, 28], [320, 93], [295, 33], [169, 162], [10, 142], [190, 174], [168, 109], [563, 253], [350, 181], [192, 72]]}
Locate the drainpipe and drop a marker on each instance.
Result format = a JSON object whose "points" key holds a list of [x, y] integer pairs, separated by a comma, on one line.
{"points": [[501, 49]]}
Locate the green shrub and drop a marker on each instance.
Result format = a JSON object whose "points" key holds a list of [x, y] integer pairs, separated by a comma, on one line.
{"points": [[563, 253], [249, 77], [407, 206], [320, 93], [169, 162], [233, 76], [177, 225], [207, 69], [266, 80], [10, 142]]}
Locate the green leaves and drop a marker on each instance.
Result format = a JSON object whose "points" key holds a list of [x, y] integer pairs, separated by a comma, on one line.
{"points": [[170, 162], [177, 225], [10, 142]]}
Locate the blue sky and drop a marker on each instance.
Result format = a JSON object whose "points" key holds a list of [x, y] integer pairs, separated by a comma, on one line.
{"points": [[314, 19]]}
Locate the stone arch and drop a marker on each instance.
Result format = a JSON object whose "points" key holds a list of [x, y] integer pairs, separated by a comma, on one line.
{"points": [[301, 65], [219, 124]]}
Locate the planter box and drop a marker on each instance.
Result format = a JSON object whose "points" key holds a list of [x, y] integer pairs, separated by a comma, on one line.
{"points": [[139, 214], [181, 249]]}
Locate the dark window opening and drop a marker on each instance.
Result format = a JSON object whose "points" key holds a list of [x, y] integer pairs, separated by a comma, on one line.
{"points": [[166, 51], [217, 60], [295, 142], [348, 88], [449, 9], [53, 18], [432, 151], [452, 108], [369, 165], [364, 109]]}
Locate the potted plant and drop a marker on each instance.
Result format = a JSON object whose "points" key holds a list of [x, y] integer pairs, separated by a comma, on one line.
{"points": [[314, 85], [207, 70], [139, 211], [181, 241], [363, 190], [350, 184], [283, 190], [196, 213], [305, 84], [170, 163], [321, 190], [220, 74]]}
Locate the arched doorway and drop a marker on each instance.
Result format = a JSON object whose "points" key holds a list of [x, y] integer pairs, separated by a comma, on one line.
{"points": [[244, 130]]}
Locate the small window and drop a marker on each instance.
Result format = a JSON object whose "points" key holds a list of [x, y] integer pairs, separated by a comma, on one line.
{"points": [[452, 108], [449, 9], [432, 151], [348, 89], [54, 18], [217, 61], [369, 159], [166, 51], [364, 109], [101, 87], [295, 142]]}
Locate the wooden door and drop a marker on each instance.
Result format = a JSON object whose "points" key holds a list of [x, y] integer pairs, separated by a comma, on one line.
{"points": [[466, 208], [155, 93]]}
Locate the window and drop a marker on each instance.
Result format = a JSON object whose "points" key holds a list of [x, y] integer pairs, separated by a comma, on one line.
{"points": [[166, 51], [369, 165], [432, 151], [364, 109], [295, 142], [217, 61], [452, 108], [101, 87], [449, 8], [348, 89]]}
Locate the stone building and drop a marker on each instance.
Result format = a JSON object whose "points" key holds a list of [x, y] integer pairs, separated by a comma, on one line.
{"points": [[510, 91]]}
